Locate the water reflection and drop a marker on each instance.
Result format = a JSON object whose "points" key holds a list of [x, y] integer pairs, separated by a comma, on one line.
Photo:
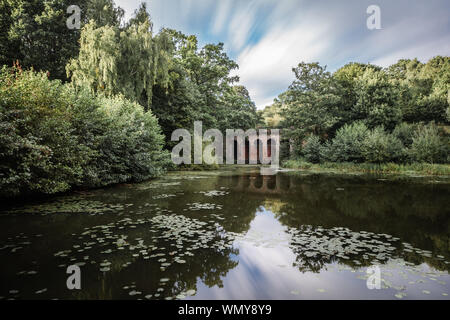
{"points": [[233, 235], [268, 269]]}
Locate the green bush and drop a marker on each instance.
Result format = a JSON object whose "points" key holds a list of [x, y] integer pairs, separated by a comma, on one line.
{"points": [[405, 132], [54, 138], [312, 148], [132, 148], [381, 147], [429, 146], [347, 144], [39, 151]]}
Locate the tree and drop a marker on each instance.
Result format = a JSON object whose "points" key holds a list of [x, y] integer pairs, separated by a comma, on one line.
{"points": [[310, 106], [103, 12], [380, 146], [34, 32], [376, 100], [423, 88], [345, 80], [240, 110], [200, 88], [115, 60]]}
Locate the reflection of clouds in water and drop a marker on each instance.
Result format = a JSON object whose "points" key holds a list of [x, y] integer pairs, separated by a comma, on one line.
{"points": [[262, 267], [266, 271]]}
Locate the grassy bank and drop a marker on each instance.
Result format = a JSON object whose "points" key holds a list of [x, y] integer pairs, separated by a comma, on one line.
{"points": [[387, 168], [194, 167]]}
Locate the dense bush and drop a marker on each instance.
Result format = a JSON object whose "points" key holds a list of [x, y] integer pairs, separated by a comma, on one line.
{"points": [[380, 146], [53, 138], [405, 132], [347, 145], [130, 148], [312, 148], [38, 149], [356, 143], [429, 146]]}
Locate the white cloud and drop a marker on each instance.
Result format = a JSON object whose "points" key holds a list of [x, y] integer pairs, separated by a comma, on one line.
{"points": [[268, 64], [423, 52], [241, 24], [221, 15]]}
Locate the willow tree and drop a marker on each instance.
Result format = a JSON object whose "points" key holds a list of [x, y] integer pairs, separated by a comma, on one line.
{"points": [[127, 60]]}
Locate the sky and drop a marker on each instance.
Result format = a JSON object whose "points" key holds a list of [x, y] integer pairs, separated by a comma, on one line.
{"points": [[267, 38]]}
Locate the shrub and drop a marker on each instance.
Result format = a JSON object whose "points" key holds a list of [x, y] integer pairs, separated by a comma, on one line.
{"points": [[380, 147], [131, 144], [347, 144], [311, 150], [53, 138], [39, 151], [405, 132], [428, 146]]}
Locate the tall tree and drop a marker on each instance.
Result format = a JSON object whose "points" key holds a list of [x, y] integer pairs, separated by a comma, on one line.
{"points": [[310, 104], [35, 33], [127, 60]]}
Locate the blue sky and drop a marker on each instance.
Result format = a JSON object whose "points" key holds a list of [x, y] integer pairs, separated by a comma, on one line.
{"points": [[269, 37]]}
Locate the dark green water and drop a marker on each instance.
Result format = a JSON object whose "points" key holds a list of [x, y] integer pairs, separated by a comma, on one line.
{"points": [[234, 234]]}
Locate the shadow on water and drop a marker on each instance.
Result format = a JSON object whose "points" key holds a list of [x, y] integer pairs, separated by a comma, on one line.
{"points": [[233, 234]]}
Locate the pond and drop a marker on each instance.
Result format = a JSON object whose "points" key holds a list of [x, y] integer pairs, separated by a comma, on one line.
{"points": [[234, 234]]}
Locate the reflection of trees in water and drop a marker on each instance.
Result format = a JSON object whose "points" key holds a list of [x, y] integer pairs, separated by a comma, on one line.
{"points": [[416, 213]]}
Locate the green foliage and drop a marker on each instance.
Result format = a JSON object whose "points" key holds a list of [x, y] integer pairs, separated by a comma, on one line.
{"points": [[346, 80], [114, 60], [380, 147], [405, 133], [423, 88], [310, 104], [353, 104], [201, 88], [429, 146], [53, 138], [388, 168], [376, 100], [39, 150], [103, 12], [166, 73], [34, 32], [270, 115], [347, 144], [311, 149]]}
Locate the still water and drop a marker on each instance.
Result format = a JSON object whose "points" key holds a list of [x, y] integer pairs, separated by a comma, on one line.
{"points": [[234, 234]]}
